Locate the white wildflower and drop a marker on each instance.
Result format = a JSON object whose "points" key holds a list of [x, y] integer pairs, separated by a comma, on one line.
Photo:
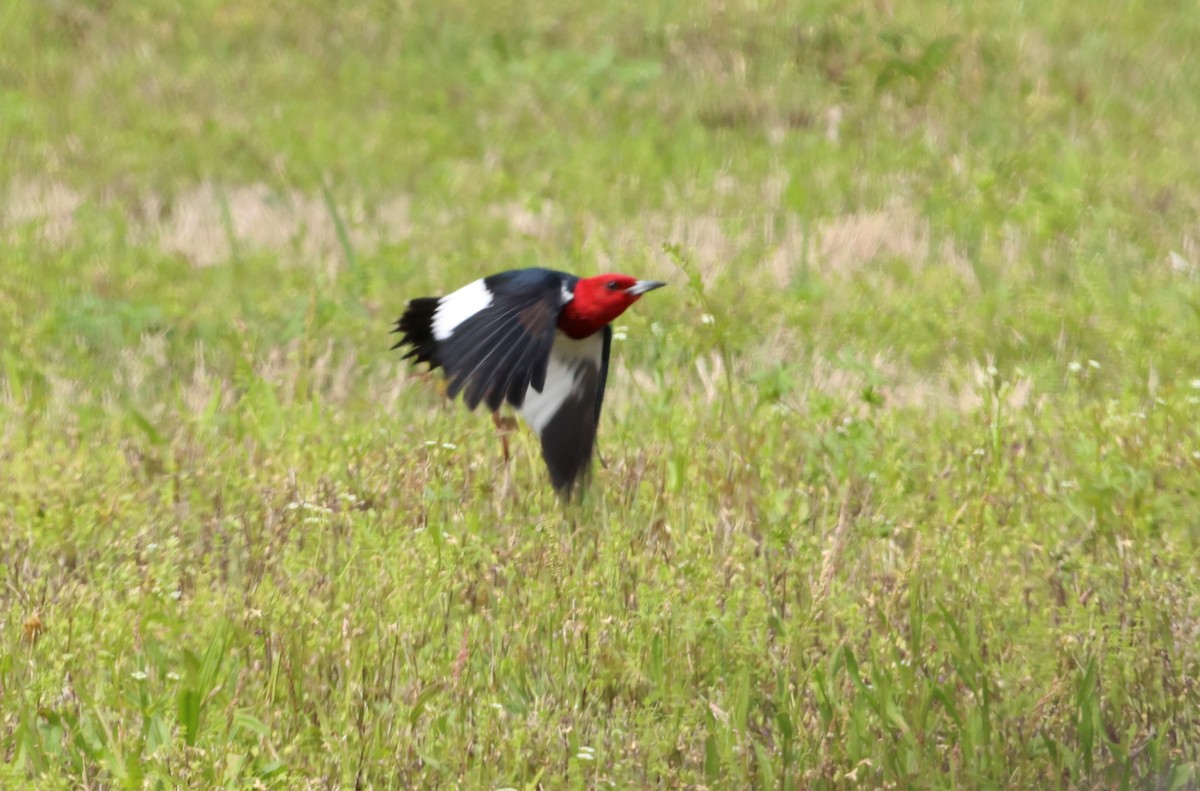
{"points": [[1178, 262]]}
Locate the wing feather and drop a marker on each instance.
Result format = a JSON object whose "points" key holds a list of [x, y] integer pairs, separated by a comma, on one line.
{"points": [[493, 354], [564, 413]]}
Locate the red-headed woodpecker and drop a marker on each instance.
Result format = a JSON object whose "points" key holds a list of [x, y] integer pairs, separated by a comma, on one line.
{"points": [[535, 338]]}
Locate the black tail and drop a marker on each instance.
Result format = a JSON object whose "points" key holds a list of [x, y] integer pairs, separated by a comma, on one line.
{"points": [[416, 326]]}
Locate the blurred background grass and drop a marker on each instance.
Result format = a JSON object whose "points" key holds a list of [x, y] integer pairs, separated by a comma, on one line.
{"points": [[937, 529]]}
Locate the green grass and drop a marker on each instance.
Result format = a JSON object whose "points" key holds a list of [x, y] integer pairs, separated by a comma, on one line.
{"points": [[903, 468]]}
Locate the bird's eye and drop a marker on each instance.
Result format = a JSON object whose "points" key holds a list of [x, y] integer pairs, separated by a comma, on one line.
{"points": [[611, 285]]}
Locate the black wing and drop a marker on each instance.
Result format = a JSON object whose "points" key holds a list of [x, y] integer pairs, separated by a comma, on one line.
{"points": [[496, 353], [603, 370], [566, 413], [570, 436], [603, 381]]}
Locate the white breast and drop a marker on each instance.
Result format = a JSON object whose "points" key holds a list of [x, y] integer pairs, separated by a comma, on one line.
{"points": [[568, 357]]}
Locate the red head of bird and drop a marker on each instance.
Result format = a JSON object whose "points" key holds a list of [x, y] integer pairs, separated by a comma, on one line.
{"points": [[599, 301]]}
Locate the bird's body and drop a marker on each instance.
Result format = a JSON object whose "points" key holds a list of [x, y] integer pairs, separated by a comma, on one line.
{"points": [[536, 339]]}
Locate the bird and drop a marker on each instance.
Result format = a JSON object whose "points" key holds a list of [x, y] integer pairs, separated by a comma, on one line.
{"points": [[535, 339]]}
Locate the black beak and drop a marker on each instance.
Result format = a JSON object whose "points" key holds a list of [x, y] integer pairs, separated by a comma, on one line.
{"points": [[642, 286]]}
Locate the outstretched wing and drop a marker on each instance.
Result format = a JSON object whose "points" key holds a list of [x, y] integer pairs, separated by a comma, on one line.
{"points": [[492, 337], [566, 411]]}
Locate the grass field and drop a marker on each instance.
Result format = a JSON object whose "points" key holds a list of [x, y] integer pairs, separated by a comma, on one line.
{"points": [[903, 483]]}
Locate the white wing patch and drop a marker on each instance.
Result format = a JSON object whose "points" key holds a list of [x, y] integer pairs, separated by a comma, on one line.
{"points": [[567, 359], [454, 309]]}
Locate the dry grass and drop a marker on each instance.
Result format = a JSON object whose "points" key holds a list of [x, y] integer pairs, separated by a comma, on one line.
{"points": [[209, 223]]}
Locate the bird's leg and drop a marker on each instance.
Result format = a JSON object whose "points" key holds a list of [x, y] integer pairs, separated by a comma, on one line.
{"points": [[504, 425]]}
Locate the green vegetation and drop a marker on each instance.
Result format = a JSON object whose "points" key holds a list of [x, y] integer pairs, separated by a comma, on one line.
{"points": [[903, 482]]}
